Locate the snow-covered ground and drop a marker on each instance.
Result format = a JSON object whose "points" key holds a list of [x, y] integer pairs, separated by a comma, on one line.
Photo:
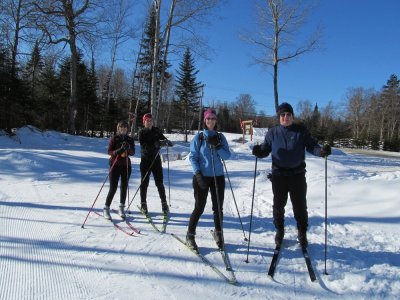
{"points": [[49, 180]]}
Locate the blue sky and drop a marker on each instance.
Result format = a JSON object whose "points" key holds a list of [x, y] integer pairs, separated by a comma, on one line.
{"points": [[361, 48]]}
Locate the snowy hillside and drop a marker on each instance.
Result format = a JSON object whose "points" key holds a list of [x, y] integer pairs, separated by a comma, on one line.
{"points": [[49, 181]]}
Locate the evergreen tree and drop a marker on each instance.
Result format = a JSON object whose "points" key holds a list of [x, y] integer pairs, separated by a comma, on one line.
{"points": [[187, 90], [145, 62], [5, 83], [86, 94], [50, 104], [391, 103], [12, 93], [31, 76]]}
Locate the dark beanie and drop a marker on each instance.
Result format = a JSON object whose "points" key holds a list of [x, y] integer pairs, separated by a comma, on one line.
{"points": [[285, 107]]}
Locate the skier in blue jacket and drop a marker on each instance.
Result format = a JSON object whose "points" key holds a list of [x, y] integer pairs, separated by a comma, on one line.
{"points": [[287, 143], [207, 148]]}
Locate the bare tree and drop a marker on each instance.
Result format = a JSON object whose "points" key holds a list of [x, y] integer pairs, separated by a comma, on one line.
{"points": [[356, 108], [118, 31], [65, 21], [181, 12], [17, 26], [304, 109], [245, 106], [279, 23]]}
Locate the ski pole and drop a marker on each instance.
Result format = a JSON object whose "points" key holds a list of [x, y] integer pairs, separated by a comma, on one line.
{"points": [[169, 184], [234, 200], [251, 214], [127, 173], [219, 205], [326, 209], [91, 208], [147, 173]]}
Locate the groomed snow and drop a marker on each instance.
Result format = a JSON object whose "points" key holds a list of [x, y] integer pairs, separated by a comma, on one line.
{"points": [[49, 181]]}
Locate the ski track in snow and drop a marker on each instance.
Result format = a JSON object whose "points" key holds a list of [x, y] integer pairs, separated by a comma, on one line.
{"points": [[34, 256], [47, 190]]}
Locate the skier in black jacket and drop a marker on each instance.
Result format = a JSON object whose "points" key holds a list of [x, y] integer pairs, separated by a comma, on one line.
{"points": [[287, 143], [119, 148], [151, 140]]}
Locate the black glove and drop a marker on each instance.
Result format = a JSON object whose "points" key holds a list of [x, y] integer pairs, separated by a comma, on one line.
{"points": [[119, 151], [326, 150], [164, 143], [214, 142], [200, 181], [170, 144], [257, 151], [125, 145]]}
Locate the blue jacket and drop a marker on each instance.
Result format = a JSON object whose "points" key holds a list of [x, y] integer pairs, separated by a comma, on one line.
{"points": [[287, 146], [200, 154]]}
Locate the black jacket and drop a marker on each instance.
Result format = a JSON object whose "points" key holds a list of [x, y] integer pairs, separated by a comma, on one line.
{"points": [[149, 140], [115, 143]]}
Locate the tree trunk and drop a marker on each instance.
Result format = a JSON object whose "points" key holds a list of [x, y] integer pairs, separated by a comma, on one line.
{"points": [[73, 98], [164, 65], [16, 40], [156, 52], [275, 59]]}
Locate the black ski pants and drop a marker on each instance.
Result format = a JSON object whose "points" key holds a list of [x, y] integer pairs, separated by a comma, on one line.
{"points": [[157, 171], [123, 172], [200, 197], [296, 186]]}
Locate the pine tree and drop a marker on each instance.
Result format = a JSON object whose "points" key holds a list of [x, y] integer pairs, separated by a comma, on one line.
{"points": [[145, 61], [86, 94], [187, 90], [12, 93], [391, 104], [5, 83], [31, 76], [49, 104]]}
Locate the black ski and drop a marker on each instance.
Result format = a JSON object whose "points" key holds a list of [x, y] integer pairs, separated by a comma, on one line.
{"points": [[309, 264], [225, 258], [206, 261], [165, 222], [149, 219], [274, 260]]}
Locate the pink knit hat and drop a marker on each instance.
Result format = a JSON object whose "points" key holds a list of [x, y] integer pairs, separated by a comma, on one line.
{"points": [[146, 117], [210, 113]]}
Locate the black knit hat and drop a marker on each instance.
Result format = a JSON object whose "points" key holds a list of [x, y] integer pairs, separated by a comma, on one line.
{"points": [[285, 107]]}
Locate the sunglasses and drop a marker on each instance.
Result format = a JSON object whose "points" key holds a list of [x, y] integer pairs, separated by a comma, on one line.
{"points": [[288, 114]]}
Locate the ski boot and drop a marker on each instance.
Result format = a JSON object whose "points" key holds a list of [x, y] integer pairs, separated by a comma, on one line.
{"points": [[302, 238], [106, 212], [280, 232], [121, 211], [190, 242], [143, 207], [165, 207], [219, 239]]}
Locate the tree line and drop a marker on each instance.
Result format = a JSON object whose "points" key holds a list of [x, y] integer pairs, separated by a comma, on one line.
{"points": [[52, 77]]}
